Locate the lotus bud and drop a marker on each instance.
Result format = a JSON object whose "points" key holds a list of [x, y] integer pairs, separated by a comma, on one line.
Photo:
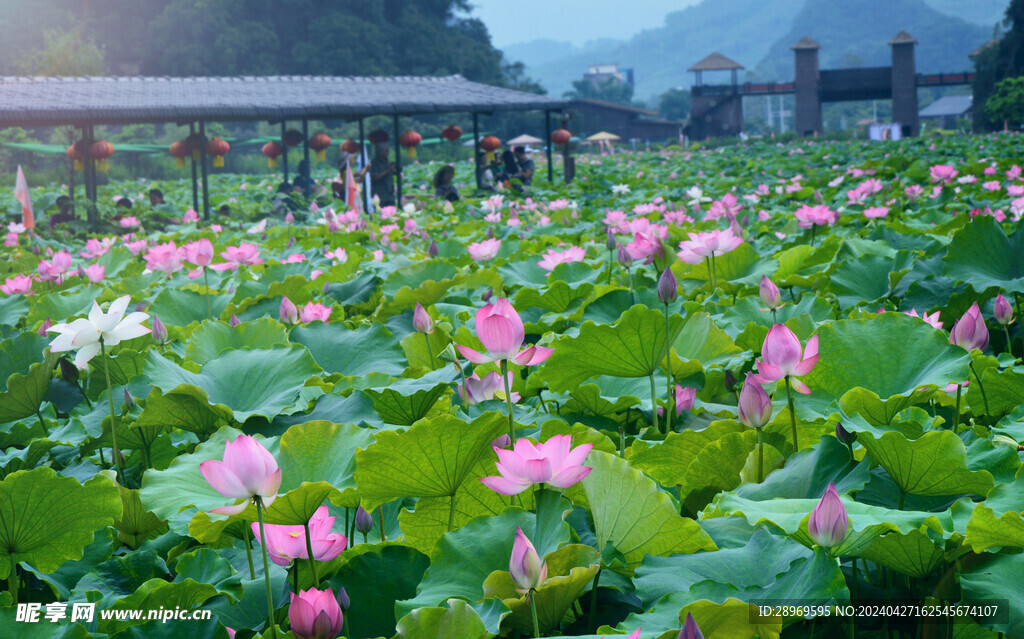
{"points": [[234, 320], [609, 241], [970, 331], [45, 326], [525, 565], [755, 407], [421, 320], [140, 307], [690, 629], [486, 297], [828, 523], [1003, 311], [291, 242], [502, 442], [844, 435], [35, 249], [68, 371], [730, 381], [289, 218], [490, 233], [668, 289], [625, 258], [432, 249], [129, 401], [770, 295], [444, 235], [364, 522], [343, 598], [448, 355], [325, 288], [159, 331], [315, 614], [288, 313]]}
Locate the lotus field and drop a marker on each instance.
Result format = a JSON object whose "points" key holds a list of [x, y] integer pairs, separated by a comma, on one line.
{"points": [[760, 391]]}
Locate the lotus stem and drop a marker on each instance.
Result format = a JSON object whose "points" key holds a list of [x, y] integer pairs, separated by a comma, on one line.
{"points": [[774, 319], [430, 352], [380, 516], [814, 227], [1009, 348], [981, 387], [792, 415], [451, 514], [248, 554], [622, 441], [669, 403], [309, 553], [508, 401], [654, 404], [533, 611], [714, 274], [760, 455], [266, 570], [956, 413], [206, 284], [592, 613], [12, 583], [42, 424], [629, 282], [118, 459], [295, 576]]}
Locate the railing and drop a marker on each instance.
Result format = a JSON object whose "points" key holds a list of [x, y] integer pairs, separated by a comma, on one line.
{"points": [[944, 79]]}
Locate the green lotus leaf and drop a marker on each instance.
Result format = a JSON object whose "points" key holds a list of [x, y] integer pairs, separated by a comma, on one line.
{"points": [[135, 523], [809, 472], [180, 307], [862, 281], [25, 391], [180, 410], [557, 298], [456, 621], [213, 337], [915, 553], [668, 461], [633, 515], [431, 459], [267, 382], [632, 347], [65, 304], [407, 400], [368, 349], [48, 519], [701, 340], [998, 521], [1004, 391], [124, 366], [982, 256], [12, 309], [933, 464], [158, 594], [877, 367], [991, 580]]}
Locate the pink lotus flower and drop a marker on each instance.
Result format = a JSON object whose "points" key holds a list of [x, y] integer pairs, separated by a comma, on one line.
{"points": [[241, 255], [525, 565], [421, 320], [166, 258], [287, 543], [248, 470], [288, 313], [340, 256], [315, 614], [701, 246], [477, 389], [55, 270], [943, 173], [313, 312], [199, 252], [755, 407], [970, 331], [95, 273], [914, 191], [484, 251], [932, 319], [685, 396], [690, 629], [129, 222], [95, 248], [553, 258], [819, 215], [1002, 310], [190, 216], [11, 239], [829, 522], [17, 284], [769, 292], [500, 329], [875, 212], [554, 462], [781, 357], [645, 246], [136, 247]]}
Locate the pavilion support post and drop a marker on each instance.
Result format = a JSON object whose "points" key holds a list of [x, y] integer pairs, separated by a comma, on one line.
{"points": [[547, 142], [362, 161], [90, 182], [284, 153], [204, 173], [476, 148], [305, 142], [195, 169], [398, 165]]}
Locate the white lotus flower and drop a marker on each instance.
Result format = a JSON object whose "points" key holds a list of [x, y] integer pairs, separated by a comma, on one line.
{"points": [[111, 327], [620, 189]]}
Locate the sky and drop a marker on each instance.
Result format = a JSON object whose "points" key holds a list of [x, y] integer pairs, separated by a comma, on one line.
{"points": [[575, 21]]}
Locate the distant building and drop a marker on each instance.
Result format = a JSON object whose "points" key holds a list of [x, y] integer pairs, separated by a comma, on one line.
{"points": [[627, 122], [945, 112], [598, 74]]}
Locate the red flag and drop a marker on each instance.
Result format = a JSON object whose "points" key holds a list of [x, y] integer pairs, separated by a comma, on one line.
{"points": [[21, 195], [352, 189]]}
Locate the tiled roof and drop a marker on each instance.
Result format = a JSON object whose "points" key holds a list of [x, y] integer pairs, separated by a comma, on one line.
{"points": [[716, 62]]}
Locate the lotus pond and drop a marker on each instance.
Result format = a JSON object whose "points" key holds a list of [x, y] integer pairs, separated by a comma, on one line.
{"points": [[760, 391]]}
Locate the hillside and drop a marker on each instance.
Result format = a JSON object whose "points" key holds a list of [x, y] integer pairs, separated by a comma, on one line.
{"points": [[758, 35], [983, 12]]}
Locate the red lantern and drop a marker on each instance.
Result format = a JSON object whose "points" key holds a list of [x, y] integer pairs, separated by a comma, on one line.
{"points": [[379, 136], [292, 138], [75, 155], [272, 150], [100, 151], [195, 144], [320, 142], [179, 151], [491, 143], [410, 139], [452, 133], [561, 136], [350, 146], [218, 148]]}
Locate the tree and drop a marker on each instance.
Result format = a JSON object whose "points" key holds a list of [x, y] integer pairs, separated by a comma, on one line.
{"points": [[1006, 104], [998, 61], [64, 53], [674, 104], [610, 90]]}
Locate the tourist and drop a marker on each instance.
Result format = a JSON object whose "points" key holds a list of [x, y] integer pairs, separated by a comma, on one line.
{"points": [[484, 174], [510, 168], [382, 176], [525, 166], [156, 196], [123, 203], [64, 212], [303, 182], [443, 187]]}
